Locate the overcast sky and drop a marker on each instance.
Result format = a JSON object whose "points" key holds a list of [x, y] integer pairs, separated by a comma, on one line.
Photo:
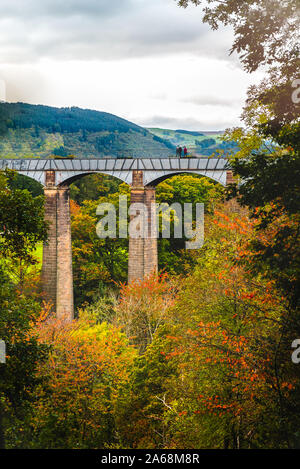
{"points": [[148, 61]]}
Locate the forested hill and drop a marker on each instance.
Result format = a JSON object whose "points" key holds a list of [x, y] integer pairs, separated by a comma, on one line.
{"points": [[36, 131], [201, 143]]}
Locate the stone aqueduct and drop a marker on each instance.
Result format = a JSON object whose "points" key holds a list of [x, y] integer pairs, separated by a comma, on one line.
{"points": [[141, 174]]}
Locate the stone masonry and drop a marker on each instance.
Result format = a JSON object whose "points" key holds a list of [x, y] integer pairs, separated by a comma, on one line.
{"points": [[229, 178], [142, 259], [57, 274], [49, 269], [64, 287], [150, 241]]}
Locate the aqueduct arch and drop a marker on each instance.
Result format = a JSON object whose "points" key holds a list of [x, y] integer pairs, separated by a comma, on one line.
{"points": [[142, 175]]}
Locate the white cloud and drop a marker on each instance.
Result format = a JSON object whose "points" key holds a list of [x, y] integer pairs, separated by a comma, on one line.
{"points": [[189, 123], [210, 100], [147, 61], [103, 29]]}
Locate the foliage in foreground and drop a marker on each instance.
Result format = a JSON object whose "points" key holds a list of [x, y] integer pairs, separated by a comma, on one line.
{"points": [[218, 373], [83, 379], [22, 226], [203, 362]]}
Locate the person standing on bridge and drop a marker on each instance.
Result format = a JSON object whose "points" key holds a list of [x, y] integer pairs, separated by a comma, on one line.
{"points": [[180, 152], [185, 152]]}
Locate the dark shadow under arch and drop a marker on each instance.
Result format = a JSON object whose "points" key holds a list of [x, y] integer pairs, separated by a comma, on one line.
{"points": [[157, 181], [80, 176], [84, 187], [22, 181]]}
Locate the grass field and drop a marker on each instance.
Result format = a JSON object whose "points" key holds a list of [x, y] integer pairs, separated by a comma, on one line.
{"points": [[39, 253]]}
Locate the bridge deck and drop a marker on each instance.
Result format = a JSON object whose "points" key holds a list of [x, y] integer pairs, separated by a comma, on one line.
{"points": [[154, 168]]}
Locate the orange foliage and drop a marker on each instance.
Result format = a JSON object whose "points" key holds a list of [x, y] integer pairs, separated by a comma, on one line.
{"points": [[144, 306], [86, 367], [229, 359], [74, 208]]}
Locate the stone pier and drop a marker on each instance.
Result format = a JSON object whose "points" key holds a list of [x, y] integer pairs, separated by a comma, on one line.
{"points": [[142, 259], [229, 178], [57, 273]]}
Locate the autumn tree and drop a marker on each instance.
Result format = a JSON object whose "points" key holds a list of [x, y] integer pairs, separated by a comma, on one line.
{"points": [[267, 166], [235, 373], [143, 307], [214, 375], [83, 378]]}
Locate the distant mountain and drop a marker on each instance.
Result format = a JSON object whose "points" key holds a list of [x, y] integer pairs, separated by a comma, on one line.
{"points": [[189, 132], [30, 131], [202, 143]]}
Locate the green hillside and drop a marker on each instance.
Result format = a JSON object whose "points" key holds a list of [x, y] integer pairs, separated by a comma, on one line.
{"points": [[202, 143], [30, 131]]}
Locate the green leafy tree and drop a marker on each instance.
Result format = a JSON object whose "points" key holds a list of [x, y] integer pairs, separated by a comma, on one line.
{"points": [[92, 187], [22, 227], [18, 380], [185, 188], [97, 263], [142, 417], [22, 223], [265, 31]]}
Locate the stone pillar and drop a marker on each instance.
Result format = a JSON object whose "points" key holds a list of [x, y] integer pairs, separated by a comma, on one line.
{"points": [[49, 250], [142, 259], [229, 177], [57, 274], [233, 204], [64, 287], [136, 245], [150, 241]]}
